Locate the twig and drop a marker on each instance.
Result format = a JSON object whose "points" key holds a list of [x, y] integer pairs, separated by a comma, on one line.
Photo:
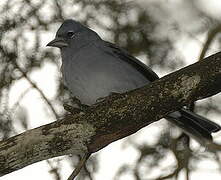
{"points": [[172, 174], [19, 99], [59, 11], [54, 170], [213, 146], [210, 38], [39, 90], [79, 166]]}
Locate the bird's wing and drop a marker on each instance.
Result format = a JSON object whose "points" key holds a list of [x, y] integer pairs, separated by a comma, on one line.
{"points": [[125, 56]]}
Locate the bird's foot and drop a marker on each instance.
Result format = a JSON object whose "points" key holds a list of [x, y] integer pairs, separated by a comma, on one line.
{"points": [[76, 107], [114, 94], [71, 109], [111, 95]]}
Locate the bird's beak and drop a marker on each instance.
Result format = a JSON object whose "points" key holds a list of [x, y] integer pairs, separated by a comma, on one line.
{"points": [[58, 42]]}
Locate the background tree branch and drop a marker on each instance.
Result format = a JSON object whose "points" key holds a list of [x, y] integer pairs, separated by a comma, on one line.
{"points": [[210, 37], [114, 118]]}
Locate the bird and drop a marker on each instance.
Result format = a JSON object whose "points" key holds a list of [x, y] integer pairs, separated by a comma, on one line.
{"points": [[93, 68]]}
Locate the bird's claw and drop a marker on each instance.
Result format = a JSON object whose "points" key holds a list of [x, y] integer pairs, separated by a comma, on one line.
{"points": [[112, 95], [77, 106], [71, 109]]}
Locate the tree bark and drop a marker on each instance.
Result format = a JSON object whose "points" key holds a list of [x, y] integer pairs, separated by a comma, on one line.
{"points": [[114, 118]]}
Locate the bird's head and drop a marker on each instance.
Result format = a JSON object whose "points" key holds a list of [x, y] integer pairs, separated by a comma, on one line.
{"points": [[71, 32]]}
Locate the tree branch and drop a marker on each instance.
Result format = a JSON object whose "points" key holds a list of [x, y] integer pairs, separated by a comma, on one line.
{"points": [[114, 118], [39, 90], [210, 37]]}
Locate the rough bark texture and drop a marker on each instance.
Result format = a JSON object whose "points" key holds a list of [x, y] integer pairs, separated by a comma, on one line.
{"points": [[116, 117]]}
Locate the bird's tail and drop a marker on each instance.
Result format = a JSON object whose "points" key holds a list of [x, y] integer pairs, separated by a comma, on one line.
{"points": [[193, 124]]}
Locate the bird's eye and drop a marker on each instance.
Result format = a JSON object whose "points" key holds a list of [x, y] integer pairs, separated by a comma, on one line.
{"points": [[70, 34]]}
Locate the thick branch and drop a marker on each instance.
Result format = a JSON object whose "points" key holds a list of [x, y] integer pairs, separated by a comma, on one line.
{"points": [[116, 117]]}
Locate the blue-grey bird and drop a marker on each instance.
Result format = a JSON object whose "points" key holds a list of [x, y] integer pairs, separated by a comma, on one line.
{"points": [[93, 68]]}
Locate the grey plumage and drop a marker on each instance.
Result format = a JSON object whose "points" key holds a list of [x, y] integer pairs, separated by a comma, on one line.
{"points": [[93, 68]]}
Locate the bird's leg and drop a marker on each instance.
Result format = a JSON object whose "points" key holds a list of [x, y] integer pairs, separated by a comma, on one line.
{"points": [[114, 94], [76, 106], [80, 106], [71, 109]]}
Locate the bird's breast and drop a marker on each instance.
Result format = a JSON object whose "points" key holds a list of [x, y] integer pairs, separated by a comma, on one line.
{"points": [[90, 75]]}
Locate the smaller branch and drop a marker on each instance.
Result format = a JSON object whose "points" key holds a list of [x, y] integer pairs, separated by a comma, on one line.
{"points": [[13, 109], [187, 173], [59, 11], [213, 146], [211, 35], [218, 160], [79, 166], [39, 90], [172, 174], [54, 169]]}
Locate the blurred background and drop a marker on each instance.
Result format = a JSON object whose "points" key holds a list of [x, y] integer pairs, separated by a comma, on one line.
{"points": [[165, 34]]}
